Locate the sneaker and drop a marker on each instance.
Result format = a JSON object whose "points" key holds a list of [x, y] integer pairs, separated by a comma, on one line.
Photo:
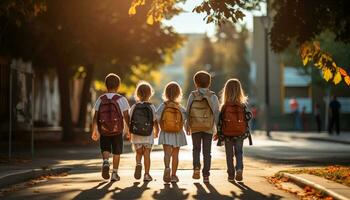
{"points": [[239, 175], [231, 178], [105, 170], [206, 179], [115, 177], [166, 176], [196, 174], [138, 170], [174, 179], [147, 177]]}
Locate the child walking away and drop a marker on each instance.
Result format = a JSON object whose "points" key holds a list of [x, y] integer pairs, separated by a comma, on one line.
{"points": [[233, 125], [203, 114], [171, 117], [111, 110], [143, 128]]}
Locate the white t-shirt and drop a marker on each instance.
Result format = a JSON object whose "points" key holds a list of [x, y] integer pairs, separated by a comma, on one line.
{"points": [[122, 102], [139, 139]]}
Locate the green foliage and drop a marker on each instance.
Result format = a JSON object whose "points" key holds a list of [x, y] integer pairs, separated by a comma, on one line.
{"points": [[304, 20]]}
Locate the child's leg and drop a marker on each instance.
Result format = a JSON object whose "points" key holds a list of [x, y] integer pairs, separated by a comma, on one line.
{"points": [[175, 160], [196, 142], [139, 153], [206, 153], [238, 146], [105, 155], [167, 155], [116, 159], [229, 158], [147, 159]]}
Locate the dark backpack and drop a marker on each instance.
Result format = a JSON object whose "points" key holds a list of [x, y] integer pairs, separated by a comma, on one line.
{"points": [[110, 118], [142, 119]]}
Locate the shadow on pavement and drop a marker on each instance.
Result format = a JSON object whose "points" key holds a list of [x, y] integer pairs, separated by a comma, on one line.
{"points": [[96, 192], [133, 192], [202, 194], [173, 192], [248, 193]]}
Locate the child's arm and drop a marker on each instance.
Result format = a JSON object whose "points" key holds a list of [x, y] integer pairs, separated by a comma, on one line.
{"points": [[156, 128], [95, 134], [127, 121], [187, 125]]}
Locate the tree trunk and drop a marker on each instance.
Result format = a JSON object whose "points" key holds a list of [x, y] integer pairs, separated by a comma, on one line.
{"points": [[85, 96], [66, 117]]}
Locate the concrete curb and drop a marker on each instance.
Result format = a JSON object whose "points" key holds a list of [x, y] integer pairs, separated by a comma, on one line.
{"points": [[25, 175], [304, 182]]}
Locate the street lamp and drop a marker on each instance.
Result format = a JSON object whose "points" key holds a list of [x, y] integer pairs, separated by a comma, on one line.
{"points": [[265, 20]]}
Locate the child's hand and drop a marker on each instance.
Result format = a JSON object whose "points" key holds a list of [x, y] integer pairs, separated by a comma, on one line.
{"points": [[95, 135], [215, 137], [128, 136], [188, 132], [155, 135]]}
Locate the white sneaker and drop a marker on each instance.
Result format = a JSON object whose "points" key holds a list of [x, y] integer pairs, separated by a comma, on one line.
{"points": [[115, 177], [147, 177]]}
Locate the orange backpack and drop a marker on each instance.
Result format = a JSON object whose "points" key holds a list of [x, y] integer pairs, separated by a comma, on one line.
{"points": [[171, 120], [201, 116], [234, 122]]}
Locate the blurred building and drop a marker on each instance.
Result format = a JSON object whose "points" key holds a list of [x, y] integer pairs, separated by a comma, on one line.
{"points": [[287, 82]]}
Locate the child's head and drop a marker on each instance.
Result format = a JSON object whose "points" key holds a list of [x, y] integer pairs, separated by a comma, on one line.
{"points": [[202, 79], [112, 82], [233, 92], [144, 91], [172, 92]]}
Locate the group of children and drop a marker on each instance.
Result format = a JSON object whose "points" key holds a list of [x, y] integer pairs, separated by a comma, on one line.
{"points": [[170, 123]]}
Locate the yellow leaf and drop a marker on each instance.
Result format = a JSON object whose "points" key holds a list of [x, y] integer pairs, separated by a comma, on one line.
{"points": [[132, 10], [150, 20], [305, 60], [337, 78], [327, 74], [347, 80]]}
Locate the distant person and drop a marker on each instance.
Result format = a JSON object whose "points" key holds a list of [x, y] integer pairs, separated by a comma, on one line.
{"points": [[254, 121], [294, 107], [317, 114], [111, 111], [203, 114], [171, 117], [143, 128], [334, 111], [234, 127], [303, 117]]}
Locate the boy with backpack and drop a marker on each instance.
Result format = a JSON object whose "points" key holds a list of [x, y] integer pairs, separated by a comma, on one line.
{"points": [[203, 113], [111, 111], [143, 128]]}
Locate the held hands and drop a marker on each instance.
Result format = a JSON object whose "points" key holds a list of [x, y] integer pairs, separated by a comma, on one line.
{"points": [[215, 137]]}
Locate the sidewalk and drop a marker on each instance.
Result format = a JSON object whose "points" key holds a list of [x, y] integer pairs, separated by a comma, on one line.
{"points": [[343, 138]]}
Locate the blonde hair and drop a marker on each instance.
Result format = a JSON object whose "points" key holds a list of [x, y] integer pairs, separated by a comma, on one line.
{"points": [[144, 91], [172, 92], [233, 92]]}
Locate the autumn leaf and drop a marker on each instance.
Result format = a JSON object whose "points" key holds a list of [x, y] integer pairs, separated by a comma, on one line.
{"points": [[342, 71], [150, 20], [337, 78], [327, 74], [347, 80], [305, 60], [132, 10]]}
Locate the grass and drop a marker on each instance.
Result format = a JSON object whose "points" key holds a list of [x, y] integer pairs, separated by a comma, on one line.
{"points": [[336, 173]]}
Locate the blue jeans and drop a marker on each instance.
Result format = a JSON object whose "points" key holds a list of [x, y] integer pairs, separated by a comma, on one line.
{"points": [[204, 139], [234, 148]]}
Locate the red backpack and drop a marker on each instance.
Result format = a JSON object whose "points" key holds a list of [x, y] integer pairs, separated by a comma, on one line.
{"points": [[234, 122], [110, 118]]}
